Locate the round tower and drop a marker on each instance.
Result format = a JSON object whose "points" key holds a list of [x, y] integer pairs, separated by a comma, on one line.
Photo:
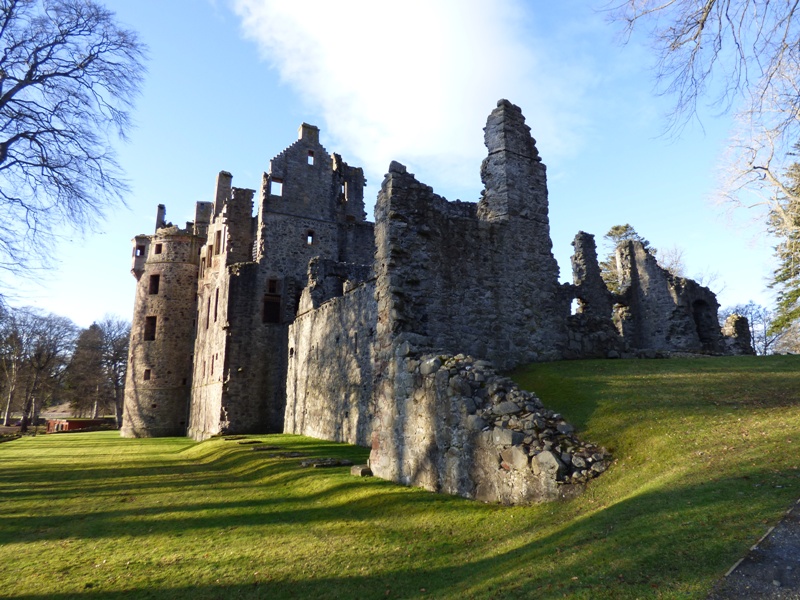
{"points": [[158, 381]]}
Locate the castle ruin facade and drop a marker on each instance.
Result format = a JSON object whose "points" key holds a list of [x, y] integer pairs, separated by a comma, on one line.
{"points": [[308, 319]]}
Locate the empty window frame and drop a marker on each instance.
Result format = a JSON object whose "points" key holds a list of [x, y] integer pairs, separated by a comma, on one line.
{"points": [[272, 310], [150, 324], [309, 237], [218, 242], [310, 157], [155, 281], [139, 251], [146, 375], [216, 304], [158, 249], [272, 286], [276, 187]]}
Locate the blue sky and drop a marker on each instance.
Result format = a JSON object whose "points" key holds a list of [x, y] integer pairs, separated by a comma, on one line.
{"points": [[229, 83]]}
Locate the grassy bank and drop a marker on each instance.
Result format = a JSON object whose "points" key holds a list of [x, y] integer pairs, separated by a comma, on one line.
{"points": [[706, 462]]}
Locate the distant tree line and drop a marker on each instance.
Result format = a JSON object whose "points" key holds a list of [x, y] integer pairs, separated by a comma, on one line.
{"points": [[46, 360]]}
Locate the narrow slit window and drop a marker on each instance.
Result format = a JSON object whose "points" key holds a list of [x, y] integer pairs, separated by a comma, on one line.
{"points": [[158, 248], [210, 256], [309, 238], [150, 328], [216, 304], [218, 242], [276, 189], [311, 157], [154, 284], [146, 375], [208, 313]]}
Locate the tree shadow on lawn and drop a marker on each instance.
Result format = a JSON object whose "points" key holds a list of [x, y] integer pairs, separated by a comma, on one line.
{"points": [[649, 545]]}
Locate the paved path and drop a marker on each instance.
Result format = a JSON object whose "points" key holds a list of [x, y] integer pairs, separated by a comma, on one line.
{"points": [[771, 570]]}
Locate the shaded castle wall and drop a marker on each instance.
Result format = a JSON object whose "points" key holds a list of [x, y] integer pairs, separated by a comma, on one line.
{"points": [[230, 241], [455, 277], [329, 380], [311, 205], [479, 279]]}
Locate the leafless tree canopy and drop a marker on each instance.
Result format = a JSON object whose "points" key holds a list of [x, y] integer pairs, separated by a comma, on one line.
{"points": [[68, 75], [740, 55]]}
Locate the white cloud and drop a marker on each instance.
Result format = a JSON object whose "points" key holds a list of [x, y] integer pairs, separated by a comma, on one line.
{"points": [[414, 81]]}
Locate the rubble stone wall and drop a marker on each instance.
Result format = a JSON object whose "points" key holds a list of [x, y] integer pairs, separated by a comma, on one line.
{"points": [[458, 427]]}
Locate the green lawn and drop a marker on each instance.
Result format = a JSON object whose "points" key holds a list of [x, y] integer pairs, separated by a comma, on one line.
{"points": [[706, 461]]}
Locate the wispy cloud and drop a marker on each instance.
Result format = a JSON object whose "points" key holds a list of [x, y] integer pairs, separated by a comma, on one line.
{"points": [[414, 81]]}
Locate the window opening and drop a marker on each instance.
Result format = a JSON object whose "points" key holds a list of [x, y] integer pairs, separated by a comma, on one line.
{"points": [[210, 255], [309, 238], [272, 310], [158, 249], [216, 304], [154, 281], [272, 286], [150, 328], [139, 251], [311, 157], [276, 187], [147, 374], [218, 242]]}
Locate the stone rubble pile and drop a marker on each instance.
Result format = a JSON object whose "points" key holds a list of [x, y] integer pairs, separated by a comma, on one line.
{"points": [[526, 435]]}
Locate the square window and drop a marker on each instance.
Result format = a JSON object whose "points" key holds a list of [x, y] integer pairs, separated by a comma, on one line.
{"points": [[139, 251], [276, 187], [158, 249], [311, 157], [272, 286]]}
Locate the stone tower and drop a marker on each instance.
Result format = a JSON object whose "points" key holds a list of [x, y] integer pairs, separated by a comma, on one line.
{"points": [[158, 381]]}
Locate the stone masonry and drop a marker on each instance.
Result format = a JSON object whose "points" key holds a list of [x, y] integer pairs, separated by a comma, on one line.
{"points": [[308, 319]]}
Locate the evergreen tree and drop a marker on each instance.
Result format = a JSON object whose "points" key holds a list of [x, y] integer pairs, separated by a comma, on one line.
{"points": [[615, 236], [785, 225]]}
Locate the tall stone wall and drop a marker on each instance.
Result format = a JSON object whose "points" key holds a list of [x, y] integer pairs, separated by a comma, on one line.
{"points": [[329, 377]]}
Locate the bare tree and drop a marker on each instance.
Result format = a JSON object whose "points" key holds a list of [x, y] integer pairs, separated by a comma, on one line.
{"points": [[53, 341], [34, 349], [738, 55], [116, 335], [671, 259], [68, 75]]}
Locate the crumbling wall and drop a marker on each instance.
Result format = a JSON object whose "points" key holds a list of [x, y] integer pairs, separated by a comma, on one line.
{"points": [[662, 312], [591, 330], [458, 427], [479, 279], [736, 335]]}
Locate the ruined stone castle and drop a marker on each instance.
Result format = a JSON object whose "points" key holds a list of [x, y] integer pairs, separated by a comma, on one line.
{"points": [[308, 319]]}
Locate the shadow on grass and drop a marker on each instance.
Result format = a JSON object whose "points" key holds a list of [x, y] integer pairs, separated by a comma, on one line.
{"points": [[632, 556]]}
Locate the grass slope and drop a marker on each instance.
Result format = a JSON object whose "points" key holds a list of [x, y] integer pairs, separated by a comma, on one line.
{"points": [[706, 461]]}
